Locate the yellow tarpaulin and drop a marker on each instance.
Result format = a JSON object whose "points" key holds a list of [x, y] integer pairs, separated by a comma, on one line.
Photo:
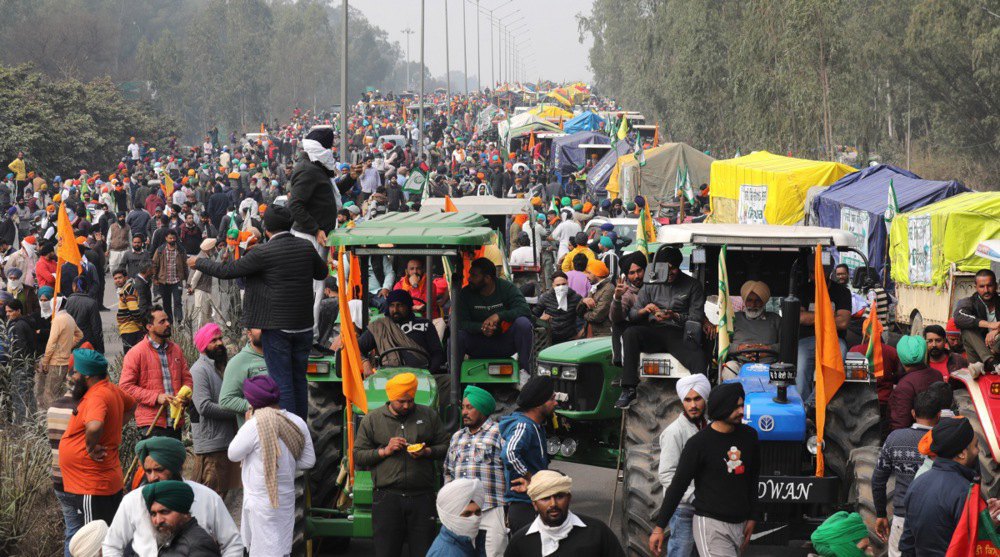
{"points": [[550, 111], [560, 98], [614, 185], [924, 244], [764, 188]]}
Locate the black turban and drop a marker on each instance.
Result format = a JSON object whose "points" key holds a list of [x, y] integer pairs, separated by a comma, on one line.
{"points": [[723, 400], [951, 436], [322, 135], [536, 392]]}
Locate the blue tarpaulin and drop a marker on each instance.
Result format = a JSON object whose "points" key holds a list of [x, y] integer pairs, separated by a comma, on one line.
{"points": [[568, 156], [857, 203], [597, 177], [584, 122]]}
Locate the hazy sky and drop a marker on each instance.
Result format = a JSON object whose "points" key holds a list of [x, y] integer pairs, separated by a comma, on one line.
{"points": [[546, 28]]}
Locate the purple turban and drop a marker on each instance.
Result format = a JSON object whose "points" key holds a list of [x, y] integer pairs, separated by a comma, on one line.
{"points": [[261, 391]]}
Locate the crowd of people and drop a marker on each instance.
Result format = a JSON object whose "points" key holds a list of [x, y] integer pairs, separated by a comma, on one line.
{"points": [[219, 233]]}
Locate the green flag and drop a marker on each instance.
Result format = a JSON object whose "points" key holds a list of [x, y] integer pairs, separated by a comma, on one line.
{"points": [[685, 185], [415, 182], [725, 309], [891, 207], [640, 155]]}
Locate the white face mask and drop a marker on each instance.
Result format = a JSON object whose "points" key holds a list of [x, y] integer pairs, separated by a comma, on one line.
{"points": [[452, 502], [13, 285], [562, 292], [46, 308]]}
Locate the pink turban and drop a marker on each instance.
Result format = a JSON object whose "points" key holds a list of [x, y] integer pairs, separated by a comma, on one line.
{"points": [[205, 335]]}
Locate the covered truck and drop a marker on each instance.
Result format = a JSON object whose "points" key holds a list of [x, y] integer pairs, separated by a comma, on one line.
{"points": [[658, 178], [933, 255], [584, 122], [764, 188], [857, 203], [568, 153]]}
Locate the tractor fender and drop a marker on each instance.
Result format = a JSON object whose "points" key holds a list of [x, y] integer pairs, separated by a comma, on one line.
{"points": [[984, 393]]}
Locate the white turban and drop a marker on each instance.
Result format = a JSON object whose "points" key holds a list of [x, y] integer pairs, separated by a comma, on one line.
{"points": [[757, 287], [695, 381], [87, 540], [452, 500]]}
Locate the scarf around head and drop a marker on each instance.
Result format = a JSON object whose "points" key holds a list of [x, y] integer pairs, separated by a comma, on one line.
{"points": [[317, 153], [273, 426]]}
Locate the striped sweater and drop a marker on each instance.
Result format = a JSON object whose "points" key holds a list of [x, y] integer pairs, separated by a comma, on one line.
{"points": [[56, 422]]}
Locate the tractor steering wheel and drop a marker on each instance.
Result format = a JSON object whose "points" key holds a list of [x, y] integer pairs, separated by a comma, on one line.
{"points": [[744, 354], [418, 351]]}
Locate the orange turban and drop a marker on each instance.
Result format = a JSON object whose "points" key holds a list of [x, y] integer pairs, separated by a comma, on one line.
{"points": [[400, 385], [520, 219], [597, 268], [587, 207]]}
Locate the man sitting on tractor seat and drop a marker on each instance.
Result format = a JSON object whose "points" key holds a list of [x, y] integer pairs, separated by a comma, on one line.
{"points": [[401, 329], [660, 320], [414, 281], [494, 319], [754, 327]]}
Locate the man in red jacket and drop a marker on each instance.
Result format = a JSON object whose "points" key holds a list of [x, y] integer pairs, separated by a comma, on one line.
{"points": [[153, 371]]}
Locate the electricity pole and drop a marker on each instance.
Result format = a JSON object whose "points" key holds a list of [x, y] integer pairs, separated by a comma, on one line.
{"points": [[407, 32], [343, 87], [420, 134], [465, 54]]}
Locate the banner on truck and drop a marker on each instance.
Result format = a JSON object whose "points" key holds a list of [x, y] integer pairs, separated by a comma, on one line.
{"points": [[919, 234], [753, 200], [855, 222]]}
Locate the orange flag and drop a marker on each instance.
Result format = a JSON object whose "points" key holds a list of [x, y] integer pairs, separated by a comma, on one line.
{"points": [[350, 354], [263, 129], [531, 142], [872, 328], [656, 135], [449, 205], [829, 362], [68, 250], [966, 537]]}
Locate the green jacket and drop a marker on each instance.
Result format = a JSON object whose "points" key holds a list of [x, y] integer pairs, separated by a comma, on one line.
{"points": [[506, 301], [400, 472], [246, 363]]}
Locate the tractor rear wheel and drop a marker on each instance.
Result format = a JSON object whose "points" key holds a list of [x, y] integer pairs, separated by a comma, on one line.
{"points": [[989, 470], [326, 424], [862, 469], [852, 422], [655, 407]]}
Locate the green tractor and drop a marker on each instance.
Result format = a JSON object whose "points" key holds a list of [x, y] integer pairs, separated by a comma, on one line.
{"points": [[590, 430], [332, 508]]}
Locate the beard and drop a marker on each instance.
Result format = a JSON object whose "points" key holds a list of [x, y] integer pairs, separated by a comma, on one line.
{"points": [[79, 389], [753, 313], [219, 356], [937, 353], [167, 332], [164, 534], [399, 319]]}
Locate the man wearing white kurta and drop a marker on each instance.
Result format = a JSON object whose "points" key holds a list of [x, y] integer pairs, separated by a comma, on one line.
{"points": [[162, 459], [267, 445]]}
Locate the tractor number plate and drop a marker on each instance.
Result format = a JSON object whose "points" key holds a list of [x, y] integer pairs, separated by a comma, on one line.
{"points": [[797, 489]]}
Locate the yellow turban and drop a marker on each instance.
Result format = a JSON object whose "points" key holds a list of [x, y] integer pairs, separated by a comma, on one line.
{"points": [[757, 287], [547, 483], [402, 384]]}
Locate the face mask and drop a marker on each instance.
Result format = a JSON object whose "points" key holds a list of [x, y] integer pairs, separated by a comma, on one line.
{"points": [[562, 292], [14, 285], [46, 309]]}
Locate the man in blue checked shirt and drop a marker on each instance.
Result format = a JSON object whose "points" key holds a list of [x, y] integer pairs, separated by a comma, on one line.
{"points": [[475, 452]]}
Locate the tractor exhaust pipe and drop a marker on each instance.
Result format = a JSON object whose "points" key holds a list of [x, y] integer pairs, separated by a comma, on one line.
{"points": [[789, 330]]}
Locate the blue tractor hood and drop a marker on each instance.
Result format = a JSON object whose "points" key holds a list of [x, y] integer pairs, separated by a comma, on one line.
{"points": [[772, 420]]}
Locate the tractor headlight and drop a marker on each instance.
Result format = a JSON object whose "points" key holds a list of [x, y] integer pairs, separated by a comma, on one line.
{"points": [[811, 445], [317, 368], [544, 369], [553, 445], [569, 373], [568, 447], [500, 369]]}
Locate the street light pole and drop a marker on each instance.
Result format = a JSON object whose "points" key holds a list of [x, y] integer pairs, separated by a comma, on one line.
{"points": [[343, 87], [479, 61], [447, 58], [407, 32], [420, 133], [465, 54]]}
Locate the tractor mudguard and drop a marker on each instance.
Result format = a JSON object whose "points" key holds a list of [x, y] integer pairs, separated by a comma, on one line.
{"points": [[984, 392]]}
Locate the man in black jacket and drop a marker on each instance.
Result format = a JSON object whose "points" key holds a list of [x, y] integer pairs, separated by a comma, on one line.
{"points": [[86, 312], [277, 272], [312, 200], [20, 356], [976, 316]]}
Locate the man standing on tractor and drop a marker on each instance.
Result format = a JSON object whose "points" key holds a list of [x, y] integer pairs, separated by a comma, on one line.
{"points": [[399, 443], [524, 447], [693, 391], [723, 460], [900, 458], [493, 317], [415, 282], [664, 316], [475, 453], [976, 317]]}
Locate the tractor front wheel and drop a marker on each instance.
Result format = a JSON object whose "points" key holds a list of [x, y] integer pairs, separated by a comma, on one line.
{"points": [[655, 407], [852, 422], [862, 470]]}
